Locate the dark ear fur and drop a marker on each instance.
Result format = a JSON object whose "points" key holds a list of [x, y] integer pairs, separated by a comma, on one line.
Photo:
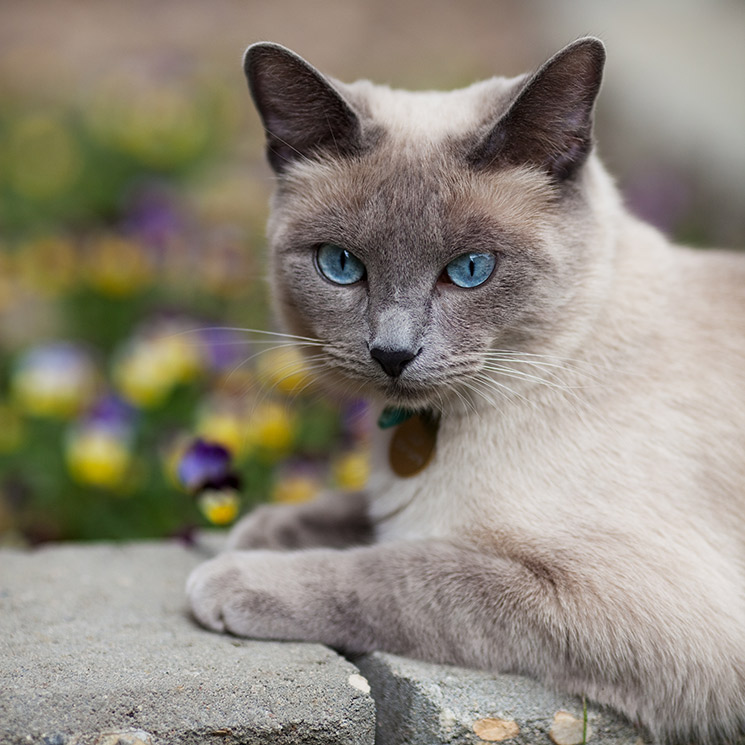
{"points": [[549, 124], [301, 110]]}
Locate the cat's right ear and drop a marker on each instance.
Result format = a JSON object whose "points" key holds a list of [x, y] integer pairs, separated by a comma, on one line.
{"points": [[302, 112], [549, 123]]}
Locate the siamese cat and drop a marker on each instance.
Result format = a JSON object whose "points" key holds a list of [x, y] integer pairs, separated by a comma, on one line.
{"points": [[559, 484]]}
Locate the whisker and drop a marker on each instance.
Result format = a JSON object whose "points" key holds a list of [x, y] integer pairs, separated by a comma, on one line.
{"points": [[519, 374], [483, 383], [248, 331], [477, 391], [558, 364], [582, 406], [490, 382], [464, 400], [266, 389], [248, 359], [254, 342], [521, 353], [578, 403], [532, 362]]}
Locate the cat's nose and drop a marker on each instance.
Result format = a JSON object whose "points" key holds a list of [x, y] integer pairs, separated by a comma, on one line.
{"points": [[393, 361]]}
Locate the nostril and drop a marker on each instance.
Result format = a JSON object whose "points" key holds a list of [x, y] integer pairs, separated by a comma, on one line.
{"points": [[393, 361]]}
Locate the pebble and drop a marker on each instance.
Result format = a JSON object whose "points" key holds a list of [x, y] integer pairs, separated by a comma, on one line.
{"points": [[126, 737], [359, 682], [492, 729], [567, 729]]}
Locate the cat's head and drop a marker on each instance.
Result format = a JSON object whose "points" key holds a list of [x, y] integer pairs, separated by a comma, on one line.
{"points": [[415, 233]]}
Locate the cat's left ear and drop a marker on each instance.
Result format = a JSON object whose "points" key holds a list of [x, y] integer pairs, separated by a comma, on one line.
{"points": [[303, 113], [549, 123]]}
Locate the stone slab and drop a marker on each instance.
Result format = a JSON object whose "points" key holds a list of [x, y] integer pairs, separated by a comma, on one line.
{"points": [[96, 647], [419, 703]]}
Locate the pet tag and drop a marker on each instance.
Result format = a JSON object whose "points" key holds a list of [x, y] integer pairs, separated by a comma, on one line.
{"points": [[413, 445]]}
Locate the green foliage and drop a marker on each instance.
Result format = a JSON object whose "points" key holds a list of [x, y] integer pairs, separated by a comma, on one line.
{"points": [[119, 254]]}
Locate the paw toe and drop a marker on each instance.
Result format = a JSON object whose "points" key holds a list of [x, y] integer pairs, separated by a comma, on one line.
{"points": [[204, 599]]}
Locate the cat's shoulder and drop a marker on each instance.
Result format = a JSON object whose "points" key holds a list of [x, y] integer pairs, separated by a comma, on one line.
{"points": [[719, 273]]}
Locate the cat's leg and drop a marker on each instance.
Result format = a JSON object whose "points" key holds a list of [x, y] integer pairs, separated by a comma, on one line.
{"points": [[428, 599], [334, 519], [442, 602]]}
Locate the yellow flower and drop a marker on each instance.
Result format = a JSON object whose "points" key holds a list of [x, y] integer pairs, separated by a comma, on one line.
{"points": [[224, 428], [284, 369], [271, 429], [118, 267], [219, 507], [352, 470], [57, 380], [141, 379], [295, 489], [148, 370], [181, 355], [98, 457]]}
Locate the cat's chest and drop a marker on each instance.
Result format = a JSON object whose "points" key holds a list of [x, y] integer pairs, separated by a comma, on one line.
{"points": [[477, 478]]}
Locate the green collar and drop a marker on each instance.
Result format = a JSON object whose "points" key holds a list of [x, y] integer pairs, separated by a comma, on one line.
{"points": [[392, 416]]}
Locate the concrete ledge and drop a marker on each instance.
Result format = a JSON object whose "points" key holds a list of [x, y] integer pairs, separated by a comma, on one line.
{"points": [[96, 648], [419, 704]]}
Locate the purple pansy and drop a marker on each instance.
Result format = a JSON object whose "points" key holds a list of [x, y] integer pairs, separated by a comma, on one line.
{"points": [[111, 413], [204, 463]]}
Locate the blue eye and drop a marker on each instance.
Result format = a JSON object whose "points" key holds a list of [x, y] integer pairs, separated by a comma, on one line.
{"points": [[471, 270], [339, 265]]}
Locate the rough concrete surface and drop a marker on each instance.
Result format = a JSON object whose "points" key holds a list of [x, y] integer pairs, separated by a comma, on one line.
{"points": [[96, 647], [420, 704]]}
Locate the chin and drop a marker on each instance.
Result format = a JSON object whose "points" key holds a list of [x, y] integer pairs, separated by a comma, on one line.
{"points": [[408, 396]]}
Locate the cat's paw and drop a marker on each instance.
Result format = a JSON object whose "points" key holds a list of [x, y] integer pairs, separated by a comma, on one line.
{"points": [[240, 592], [206, 588], [274, 527]]}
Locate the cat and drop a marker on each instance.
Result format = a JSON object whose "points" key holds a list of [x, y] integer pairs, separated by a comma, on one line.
{"points": [[561, 490]]}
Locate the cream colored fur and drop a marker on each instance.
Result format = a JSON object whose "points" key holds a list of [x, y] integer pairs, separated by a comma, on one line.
{"points": [[583, 519]]}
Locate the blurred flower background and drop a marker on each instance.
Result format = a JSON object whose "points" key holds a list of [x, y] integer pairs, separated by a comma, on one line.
{"points": [[133, 197]]}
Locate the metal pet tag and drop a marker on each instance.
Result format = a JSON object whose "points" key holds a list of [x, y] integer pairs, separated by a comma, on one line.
{"points": [[413, 445]]}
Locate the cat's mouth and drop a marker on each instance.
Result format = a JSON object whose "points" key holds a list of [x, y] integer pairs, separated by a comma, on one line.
{"points": [[408, 390], [408, 395]]}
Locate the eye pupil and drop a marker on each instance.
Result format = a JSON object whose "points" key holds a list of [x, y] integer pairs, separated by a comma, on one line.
{"points": [[338, 265], [471, 269]]}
